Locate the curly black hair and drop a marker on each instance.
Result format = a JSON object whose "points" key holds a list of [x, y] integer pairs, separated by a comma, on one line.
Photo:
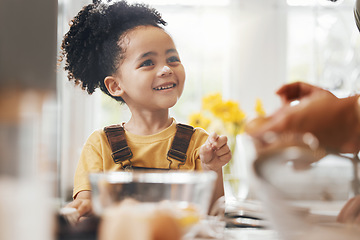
{"points": [[91, 46]]}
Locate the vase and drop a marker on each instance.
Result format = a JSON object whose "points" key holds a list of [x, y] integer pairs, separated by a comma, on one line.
{"points": [[236, 174]]}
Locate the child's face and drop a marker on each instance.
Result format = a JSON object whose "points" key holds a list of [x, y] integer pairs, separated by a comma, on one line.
{"points": [[151, 75]]}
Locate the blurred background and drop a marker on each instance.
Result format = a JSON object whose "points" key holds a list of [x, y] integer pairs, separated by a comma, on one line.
{"points": [[243, 49]]}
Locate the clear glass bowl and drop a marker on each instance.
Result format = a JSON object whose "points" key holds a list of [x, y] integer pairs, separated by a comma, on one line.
{"points": [[187, 194]]}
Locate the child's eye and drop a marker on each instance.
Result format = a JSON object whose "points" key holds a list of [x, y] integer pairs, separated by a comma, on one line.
{"points": [[147, 63], [173, 59]]}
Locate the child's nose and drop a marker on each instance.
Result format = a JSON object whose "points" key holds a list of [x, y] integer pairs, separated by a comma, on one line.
{"points": [[165, 71]]}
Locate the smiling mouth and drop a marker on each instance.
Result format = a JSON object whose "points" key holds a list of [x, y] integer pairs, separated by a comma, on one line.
{"points": [[165, 87]]}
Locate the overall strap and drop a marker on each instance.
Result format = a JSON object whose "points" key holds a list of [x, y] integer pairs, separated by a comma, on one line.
{"points": [[121, 151], [119, 147], [180, 144]]}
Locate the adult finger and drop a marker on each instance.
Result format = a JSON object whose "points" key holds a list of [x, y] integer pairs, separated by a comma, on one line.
{"points": [[350, 211]]}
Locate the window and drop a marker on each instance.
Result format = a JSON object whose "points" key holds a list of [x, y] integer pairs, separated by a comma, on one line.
{"points": [[323, 42]]}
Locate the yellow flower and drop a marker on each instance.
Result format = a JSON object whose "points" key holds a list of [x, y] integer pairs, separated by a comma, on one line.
{"points": [[223, 117], [259, 108], [199, 120], [211, 100], [229, 111]]}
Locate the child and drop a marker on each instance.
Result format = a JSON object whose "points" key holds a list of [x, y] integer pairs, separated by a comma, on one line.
{"points": [[123, 50]]}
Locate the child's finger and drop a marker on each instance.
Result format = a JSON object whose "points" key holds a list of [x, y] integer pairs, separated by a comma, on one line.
{"points": [[212, 139], [206, 152], [225, 158], [219, 162], [70, 214], [220, 142], [74, 204], [84, 208], [223, 150]]}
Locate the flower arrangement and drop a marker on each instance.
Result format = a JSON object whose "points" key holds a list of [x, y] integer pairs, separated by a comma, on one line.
{"points": [[223, 117]]}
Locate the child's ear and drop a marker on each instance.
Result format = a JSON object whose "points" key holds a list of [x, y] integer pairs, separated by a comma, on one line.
{"points": [[113, 86]]}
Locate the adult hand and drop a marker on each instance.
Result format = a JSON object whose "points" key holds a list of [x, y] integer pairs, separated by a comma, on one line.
{"points": [[334, 121], [299, 90], [350, 213]]}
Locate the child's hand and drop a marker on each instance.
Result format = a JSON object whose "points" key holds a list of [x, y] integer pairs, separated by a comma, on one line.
{"points": [[215, 153], [82, 203]]}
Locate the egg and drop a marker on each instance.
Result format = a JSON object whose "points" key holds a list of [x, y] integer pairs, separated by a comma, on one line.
{"points": [[131, 220]]}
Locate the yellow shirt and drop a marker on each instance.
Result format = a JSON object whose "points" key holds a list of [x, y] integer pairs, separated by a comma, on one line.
{"points": [[149, 151]]}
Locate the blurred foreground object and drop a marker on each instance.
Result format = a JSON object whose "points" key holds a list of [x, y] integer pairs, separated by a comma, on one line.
{"points": [[28, 133], [28, 109], [294, 163], [28, 118], [27, 163]]}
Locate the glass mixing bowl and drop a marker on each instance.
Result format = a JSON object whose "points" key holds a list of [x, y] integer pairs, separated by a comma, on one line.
{"points": [[186, 194]]}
